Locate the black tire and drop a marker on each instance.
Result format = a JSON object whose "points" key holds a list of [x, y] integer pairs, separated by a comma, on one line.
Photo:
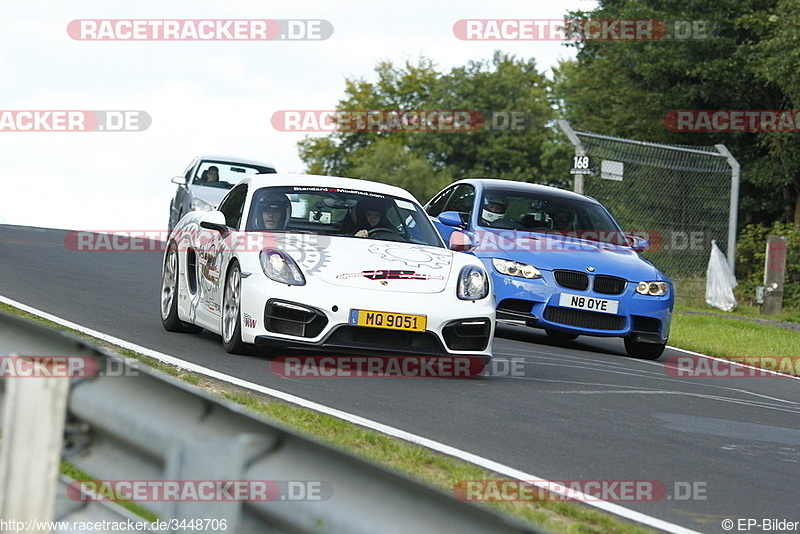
{"points": [[643, 351], [231, 319], [169, 296], [558, 335]]}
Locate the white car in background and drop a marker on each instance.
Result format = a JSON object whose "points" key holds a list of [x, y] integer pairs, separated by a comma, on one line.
{"points": [[197, 192], [311, 282]]}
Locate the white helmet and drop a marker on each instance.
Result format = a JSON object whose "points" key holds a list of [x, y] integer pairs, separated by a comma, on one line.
{"points": [[498, 211]]}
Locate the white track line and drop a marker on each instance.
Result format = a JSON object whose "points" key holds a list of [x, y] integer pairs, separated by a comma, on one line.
{"points": [[364, 422]]}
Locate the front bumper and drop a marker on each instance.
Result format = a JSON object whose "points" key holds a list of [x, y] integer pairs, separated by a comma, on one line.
{"points": [[365, 340], [536, 302], [276, 315]]}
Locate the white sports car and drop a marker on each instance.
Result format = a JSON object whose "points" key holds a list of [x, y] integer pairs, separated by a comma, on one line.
{"points": [[319, 261]]}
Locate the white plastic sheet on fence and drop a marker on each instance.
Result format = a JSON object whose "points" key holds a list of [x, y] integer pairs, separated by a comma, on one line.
{"points": [[720, 281]]}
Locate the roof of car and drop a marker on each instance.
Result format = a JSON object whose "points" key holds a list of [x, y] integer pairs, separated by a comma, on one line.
{"points": [[315, 180], [234, 159], [512, 185]]}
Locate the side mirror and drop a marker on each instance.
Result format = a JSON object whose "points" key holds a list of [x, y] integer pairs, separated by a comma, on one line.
{"points": [[460, 242], [451, 218], [214, 220], [638, 244], [180, 180]]}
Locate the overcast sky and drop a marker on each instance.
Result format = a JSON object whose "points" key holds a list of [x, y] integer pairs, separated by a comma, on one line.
{"points": [[203, 97]]}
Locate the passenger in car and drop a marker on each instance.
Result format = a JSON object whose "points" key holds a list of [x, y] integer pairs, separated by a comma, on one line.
{"points": [[562, 217]]}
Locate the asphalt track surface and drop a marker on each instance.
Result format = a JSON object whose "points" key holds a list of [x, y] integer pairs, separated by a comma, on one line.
{"points": [[581, 411]]}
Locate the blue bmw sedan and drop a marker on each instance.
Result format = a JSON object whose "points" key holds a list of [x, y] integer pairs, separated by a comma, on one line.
{"points": [[558, 261]]}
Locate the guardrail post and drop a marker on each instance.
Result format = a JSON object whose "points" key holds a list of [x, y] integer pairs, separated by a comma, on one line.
{"points": [[220, 459], [34, 412]]}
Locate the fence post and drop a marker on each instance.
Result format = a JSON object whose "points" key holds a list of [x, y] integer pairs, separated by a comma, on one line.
{"points": [[733, 220], [579, 151]]}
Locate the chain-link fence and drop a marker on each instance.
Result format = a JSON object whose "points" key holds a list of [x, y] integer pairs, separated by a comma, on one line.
{"points": [[679, 198]]}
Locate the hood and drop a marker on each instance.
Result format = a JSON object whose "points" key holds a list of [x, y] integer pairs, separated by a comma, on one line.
{"points": [[371, 264], [549, 252]]}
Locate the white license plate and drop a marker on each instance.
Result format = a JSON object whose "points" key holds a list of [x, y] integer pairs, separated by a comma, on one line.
{"points": [[588, 303]]}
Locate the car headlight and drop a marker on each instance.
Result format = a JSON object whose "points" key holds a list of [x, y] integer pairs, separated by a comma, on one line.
{"points": [[279, 266], [473, 283], [654, 289], [200, 205], [515, 268]]}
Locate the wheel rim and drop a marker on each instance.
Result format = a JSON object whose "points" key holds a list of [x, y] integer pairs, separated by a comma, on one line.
{"points": [[230, 306], [168, 283]]}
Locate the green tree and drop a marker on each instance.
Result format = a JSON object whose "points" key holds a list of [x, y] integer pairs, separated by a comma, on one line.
{"points": [[388, 160], [625, 89], [499, 89], [774, 58], [395, 89], [425, 161]]}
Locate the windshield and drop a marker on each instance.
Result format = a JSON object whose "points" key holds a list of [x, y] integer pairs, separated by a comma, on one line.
{"points": [[225, 174], [340, 212], [554, 214]]}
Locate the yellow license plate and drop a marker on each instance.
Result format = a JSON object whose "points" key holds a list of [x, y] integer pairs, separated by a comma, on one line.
{"points": [[395, 321]]}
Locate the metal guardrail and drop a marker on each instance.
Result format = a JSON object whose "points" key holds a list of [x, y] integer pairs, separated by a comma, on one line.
{"points": [[155, 428]]}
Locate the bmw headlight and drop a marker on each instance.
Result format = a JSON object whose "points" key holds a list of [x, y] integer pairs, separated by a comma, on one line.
{"points": [[654, 289], [473, 283], [200, 205], [515, 268], [279, 266]]}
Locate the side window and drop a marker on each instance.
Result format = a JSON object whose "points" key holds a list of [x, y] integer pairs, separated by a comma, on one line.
{"points": [[461, 200], [232, 206], [434, 208]]}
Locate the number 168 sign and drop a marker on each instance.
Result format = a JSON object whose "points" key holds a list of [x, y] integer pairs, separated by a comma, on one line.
{"points": [[581, 165]]}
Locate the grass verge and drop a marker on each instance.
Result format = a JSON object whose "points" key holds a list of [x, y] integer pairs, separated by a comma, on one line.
{"points": [[728, 338], [787, 315]]}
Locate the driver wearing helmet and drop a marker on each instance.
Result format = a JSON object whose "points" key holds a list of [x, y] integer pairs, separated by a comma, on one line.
{"points": [[272, 212], [494, 208], [369, 216]]}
